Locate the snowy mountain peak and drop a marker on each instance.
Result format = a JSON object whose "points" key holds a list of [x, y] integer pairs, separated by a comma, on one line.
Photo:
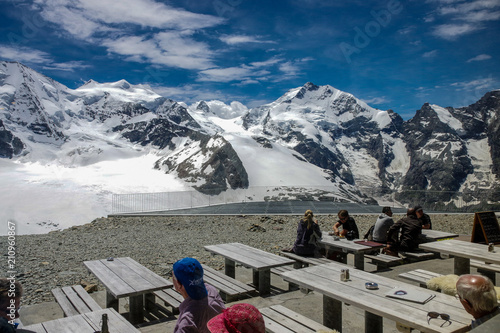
{"points": [[119, 90]]}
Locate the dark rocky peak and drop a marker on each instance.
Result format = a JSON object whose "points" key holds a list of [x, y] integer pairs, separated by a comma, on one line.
{"points": [[176, 113], [307, 87], [203, 106]]}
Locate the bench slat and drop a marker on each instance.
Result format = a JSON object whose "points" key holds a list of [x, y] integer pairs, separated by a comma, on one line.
{"points": [[419, 275], [170, 297], [225, 283], [280, 319], [74, 300], [64, 303], [483, 265]]}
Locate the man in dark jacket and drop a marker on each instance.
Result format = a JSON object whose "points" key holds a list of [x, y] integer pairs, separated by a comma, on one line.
{"points": [[426, 219], [411, 229]]}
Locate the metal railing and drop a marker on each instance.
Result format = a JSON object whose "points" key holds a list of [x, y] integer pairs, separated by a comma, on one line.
{"points": [[446, 201]]}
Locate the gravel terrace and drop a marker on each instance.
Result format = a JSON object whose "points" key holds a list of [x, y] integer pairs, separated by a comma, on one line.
{"points": [[51, 260]]}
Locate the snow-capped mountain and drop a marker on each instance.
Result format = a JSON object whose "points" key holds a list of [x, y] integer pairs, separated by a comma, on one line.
{"points": [[314, 136]]}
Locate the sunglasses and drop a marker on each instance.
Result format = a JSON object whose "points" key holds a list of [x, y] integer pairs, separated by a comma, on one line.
{"points": [[434, 315]]}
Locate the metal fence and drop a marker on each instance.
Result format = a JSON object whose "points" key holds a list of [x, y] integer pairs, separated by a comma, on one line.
{"points": [[438, 201]]}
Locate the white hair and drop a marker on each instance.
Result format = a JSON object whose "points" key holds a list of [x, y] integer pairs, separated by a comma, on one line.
{"points": [[482, 296]]}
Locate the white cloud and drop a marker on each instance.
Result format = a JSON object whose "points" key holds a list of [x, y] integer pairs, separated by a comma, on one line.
{"points": [[464, 17], [67, 66], [453, 31], [229, 74], [24, 55], [111, 23], [83, 18], [168, 48], [478, 84], [376, 100], [480, 57], [241, 39], [430, 54]]}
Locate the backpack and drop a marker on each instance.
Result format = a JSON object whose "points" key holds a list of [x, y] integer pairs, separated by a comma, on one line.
{"points": [[369, 234]]}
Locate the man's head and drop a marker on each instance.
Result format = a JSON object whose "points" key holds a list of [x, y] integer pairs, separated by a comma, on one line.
{"points": [[477, 294], [188, 278], [343, 215], [410, 212], [10, 298], [387, 211], [419, 211]]}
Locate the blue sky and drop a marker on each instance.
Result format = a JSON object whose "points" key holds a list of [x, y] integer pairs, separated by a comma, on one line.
{"points": [[391, 54]]}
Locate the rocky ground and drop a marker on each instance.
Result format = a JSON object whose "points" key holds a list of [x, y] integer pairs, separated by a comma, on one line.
{"points": [[43, 262]]}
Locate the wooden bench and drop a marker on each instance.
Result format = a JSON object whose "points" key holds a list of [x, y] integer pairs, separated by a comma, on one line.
{"points": [[74, 300], [486, 269], [229, 288], [418, 256], [384, 260], [279, 319], [419, 275], [305, 261], [170, 298]]}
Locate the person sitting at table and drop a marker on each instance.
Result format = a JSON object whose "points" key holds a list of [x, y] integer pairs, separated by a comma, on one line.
{"points": [[347, 223], [426, 219], [384, 222], [201, 302], [411, 229], [478, 297], [307, 228], [10, 298], [238, 318]]}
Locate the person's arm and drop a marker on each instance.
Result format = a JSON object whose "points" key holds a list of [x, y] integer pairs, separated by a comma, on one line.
{"points": [[394, 229], [316, 228], [300, 233], [355, 229], [336, 228]]}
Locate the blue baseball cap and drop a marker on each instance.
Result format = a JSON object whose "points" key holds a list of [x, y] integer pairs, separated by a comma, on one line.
{"points": [[189, 273]]}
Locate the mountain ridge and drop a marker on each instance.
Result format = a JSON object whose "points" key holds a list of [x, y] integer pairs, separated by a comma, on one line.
{"points": [[319, 135]]}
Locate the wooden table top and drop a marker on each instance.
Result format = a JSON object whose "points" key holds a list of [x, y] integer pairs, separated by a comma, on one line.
{"points": [[249, 256], [124, 277], [347, 245], [325, 279], [431, 234], [464, 249], [85, 323]]}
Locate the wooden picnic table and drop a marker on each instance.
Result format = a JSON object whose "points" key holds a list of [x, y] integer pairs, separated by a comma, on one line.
{"points": [[355, 247], [259, 261], [463, 252], [125, 277], [325, 279], [431, 235], [89, 322]]}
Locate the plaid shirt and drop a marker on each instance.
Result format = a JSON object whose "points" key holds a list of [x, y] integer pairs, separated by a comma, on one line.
{"points": [[479, 321]]}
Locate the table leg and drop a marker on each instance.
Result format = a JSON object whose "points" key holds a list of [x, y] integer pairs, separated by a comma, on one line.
{"points": [[111, 301], [461, 265], [230, 268], [373, 323], [264, 282], [332, 313], [359, 261], [136, 309]]}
